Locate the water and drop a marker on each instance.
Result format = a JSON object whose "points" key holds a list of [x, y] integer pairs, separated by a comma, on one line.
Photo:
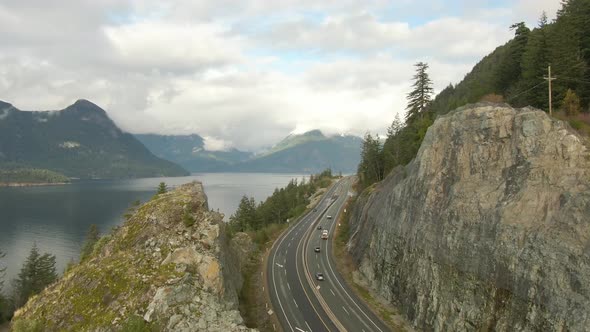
{"points": [[57, 218]]}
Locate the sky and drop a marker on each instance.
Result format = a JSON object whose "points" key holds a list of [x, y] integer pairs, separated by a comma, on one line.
{"points": [[244, 74]]}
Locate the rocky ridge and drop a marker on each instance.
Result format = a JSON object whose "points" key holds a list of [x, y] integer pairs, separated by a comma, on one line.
{"points": [[487, 229], [170, 264]]}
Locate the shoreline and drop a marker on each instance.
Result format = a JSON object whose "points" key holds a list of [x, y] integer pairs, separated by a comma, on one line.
{"points": [[32, 184]]}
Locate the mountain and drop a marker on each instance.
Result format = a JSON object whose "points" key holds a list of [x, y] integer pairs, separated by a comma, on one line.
{"points": [[189, 152], [170, 267], [80, 141], [311, 152], [486, 229]]}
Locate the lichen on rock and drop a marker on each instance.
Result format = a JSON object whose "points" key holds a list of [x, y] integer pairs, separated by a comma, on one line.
{"points": [[488, 228], [153, 268]]}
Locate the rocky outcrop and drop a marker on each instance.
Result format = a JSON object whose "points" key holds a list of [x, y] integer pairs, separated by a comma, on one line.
{"points": [[487, 229], [154, 269]]}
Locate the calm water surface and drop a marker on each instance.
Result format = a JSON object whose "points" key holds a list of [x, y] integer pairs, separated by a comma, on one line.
{"points": [[58, 217]]}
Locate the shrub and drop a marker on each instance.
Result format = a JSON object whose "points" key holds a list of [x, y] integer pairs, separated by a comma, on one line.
{"points": [[187, 219]]}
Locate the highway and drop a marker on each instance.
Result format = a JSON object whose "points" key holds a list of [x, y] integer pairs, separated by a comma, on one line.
{"points": [[300, 301]]}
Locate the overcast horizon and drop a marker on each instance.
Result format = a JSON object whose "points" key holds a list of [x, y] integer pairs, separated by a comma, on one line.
{"points": [[245, 74]]}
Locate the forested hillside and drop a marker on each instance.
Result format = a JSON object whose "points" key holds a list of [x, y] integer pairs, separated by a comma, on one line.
{"points": [[80, 141], [513, 73]]}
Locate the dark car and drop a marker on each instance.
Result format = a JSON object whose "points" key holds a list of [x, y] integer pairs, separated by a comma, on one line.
{"points": [[317, 249], [319, 226], [319, 276], [314, 210]]}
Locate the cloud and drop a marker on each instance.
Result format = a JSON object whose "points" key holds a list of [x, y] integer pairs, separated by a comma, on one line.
{"points": [[243, 73]]}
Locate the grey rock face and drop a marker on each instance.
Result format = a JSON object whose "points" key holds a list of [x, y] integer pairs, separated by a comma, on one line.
{"points": [[487, 229]]}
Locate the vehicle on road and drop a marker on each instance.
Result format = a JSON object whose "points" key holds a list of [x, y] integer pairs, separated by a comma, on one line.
{"points": [[329, 216], [319, 276], [324, 234], [319, 226], [316, 249]]}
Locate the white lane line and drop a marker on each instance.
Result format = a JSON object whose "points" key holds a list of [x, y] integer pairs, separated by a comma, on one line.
{"points": [[279, 265], [289, 286], [298, 329], [295, 303], [331, 291], [346, 310], [308, 326]]}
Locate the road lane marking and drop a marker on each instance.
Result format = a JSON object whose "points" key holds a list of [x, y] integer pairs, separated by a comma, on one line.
{"points": [[346, 310], [279, 265], [308, 326], [298, 329], [295, 303], [289, 286], [331, 291]]}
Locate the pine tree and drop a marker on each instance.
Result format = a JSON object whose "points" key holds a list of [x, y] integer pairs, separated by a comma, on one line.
{"points": [[2, 269], [162, 189], [509, 70], [534, 66], [91, 238], [420, 97], [37, 272], [370, 168]]}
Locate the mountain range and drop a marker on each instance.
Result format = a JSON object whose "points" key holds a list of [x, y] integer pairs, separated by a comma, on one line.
{"points": [[80, 141], [309, 152]]}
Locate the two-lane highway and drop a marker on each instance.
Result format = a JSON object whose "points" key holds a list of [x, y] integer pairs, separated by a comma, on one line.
{"points": [[300, 301]]}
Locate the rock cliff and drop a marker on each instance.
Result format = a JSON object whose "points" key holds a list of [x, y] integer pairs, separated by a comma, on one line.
{"points": [[170, 267], [488, 228]]}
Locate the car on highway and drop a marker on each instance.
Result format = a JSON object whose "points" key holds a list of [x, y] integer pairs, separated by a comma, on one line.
{"points": [[316, 249], [324, 234], [329, 216], [319, 276], [319, 226]]}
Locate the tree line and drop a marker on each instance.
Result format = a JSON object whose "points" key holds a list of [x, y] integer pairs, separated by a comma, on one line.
{"points": [[283, 205], [513, 73]]}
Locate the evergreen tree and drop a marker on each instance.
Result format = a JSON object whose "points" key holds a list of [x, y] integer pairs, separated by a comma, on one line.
{"points": [[162, 189], [571, 104], [534, 66], [244, 219], [37, 272], [2, 269], [370, 169], [420, 97], [509, 70], [392, 146], [91, 238]]}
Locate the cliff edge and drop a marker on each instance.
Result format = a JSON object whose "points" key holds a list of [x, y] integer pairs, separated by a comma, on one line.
{"points": [[488, 228], [170, 267]]}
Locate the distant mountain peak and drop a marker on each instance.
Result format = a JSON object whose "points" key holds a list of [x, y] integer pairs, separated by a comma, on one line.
{"points": [[313, 133], [84, 105]]}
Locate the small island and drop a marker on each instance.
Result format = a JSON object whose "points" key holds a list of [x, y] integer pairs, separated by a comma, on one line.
{"points": [[23, 177]]}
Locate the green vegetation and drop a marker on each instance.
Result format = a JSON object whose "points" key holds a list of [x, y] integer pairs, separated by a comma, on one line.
{"points": [[512, 73], [4, 310], [137, 324], [37, 272], [24, 325], [92, 238], [14, 173], [162, 189], [80, 141], [283, 205], [188, 219]]}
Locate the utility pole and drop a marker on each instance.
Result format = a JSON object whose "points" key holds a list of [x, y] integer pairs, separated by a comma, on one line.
{"points": [[549, 79]]}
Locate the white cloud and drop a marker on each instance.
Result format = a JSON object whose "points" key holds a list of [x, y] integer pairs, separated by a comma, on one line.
{"points": [[216, 144], [242, 73]]}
